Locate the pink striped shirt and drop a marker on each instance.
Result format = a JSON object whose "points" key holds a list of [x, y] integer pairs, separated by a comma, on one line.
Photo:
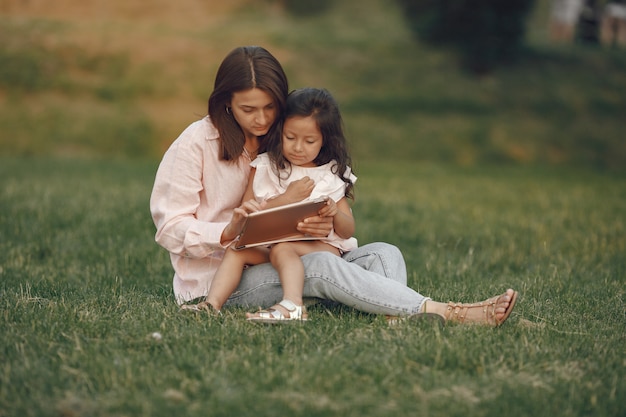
{"points": [[192, 201]]}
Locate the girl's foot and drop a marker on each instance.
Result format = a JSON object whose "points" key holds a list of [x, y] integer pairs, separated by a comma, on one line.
{"points": [[283, 311]]}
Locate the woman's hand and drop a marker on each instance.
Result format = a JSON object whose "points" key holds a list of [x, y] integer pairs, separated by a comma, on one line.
{"points": [[234, 228]]}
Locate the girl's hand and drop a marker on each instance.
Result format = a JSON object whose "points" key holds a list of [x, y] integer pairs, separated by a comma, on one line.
{"points": [[316, 226], [298, 190], [330, 209], [340, 215]]}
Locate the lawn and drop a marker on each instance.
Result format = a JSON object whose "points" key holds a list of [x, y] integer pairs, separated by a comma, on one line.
{"points": [[84, 287], [515, 179]]}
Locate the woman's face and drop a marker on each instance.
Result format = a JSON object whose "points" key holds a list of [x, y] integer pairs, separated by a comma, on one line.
{"points": [[302, 140], [254, 110]]}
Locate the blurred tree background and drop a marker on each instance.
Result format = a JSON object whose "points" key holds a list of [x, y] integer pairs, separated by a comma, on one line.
{"points": [[452, 81], [485, 33]]}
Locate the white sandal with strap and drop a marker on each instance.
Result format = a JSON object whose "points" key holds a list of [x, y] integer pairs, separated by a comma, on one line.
{"points": [[273, 315]]}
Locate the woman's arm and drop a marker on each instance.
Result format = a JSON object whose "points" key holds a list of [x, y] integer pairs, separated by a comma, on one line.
{"points": [[189, 219]]}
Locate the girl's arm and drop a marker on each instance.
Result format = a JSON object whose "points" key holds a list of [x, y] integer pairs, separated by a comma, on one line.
{"points": [[249, 193], [343, 220], [296, 191]]}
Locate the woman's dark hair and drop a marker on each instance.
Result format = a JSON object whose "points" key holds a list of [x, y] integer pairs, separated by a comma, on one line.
{"points": [[322, 107], [244, 68]]}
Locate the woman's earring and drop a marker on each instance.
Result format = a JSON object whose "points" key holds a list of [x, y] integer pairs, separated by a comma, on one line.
{"points": [[227, 110]]}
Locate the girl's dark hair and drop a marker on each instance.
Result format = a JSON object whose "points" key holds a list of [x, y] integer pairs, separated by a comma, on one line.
{"points": [[244, 68], [322, 107]]}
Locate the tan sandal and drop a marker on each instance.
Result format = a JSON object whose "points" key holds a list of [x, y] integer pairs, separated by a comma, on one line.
{"points": [[200, 307], [457, 312], [274, 316]]}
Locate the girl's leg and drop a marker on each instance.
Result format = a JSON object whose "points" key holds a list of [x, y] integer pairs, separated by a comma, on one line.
{"points": [[285, 257], [228, 275]]}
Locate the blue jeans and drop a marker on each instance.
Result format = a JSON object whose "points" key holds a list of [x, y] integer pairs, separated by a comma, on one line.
{"points": [[371, 278]]}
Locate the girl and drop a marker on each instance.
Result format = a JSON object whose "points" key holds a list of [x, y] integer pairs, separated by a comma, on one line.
{"points": [[311, 157]]}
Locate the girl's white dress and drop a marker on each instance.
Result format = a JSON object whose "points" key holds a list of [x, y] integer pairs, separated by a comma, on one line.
{"points": [[267, 185]]}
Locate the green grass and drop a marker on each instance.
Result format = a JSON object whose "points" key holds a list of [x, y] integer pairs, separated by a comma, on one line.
{"points": [[515, 179], [83, 286]]}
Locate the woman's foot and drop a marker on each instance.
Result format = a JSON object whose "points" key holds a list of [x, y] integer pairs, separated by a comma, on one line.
{"points": [[201, 306], [491, 312], [286, 310]]}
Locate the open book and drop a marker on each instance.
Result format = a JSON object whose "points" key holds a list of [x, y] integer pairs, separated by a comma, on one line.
{"points": [[278, 224]]}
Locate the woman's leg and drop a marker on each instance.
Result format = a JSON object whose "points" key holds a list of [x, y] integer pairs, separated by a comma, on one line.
{"points": [[380, 258], [493, 311], [372, 280]]}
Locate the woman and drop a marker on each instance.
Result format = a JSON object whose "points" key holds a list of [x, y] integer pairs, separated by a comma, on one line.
{"points": [[201, 181]]}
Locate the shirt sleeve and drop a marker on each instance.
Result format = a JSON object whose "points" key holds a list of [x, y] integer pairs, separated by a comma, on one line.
{"points": [[175, 199], [333, 186], [266, 183]]}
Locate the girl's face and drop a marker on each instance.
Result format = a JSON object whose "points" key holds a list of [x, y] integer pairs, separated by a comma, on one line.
{"points": [[254, 110], [302, 140]]}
